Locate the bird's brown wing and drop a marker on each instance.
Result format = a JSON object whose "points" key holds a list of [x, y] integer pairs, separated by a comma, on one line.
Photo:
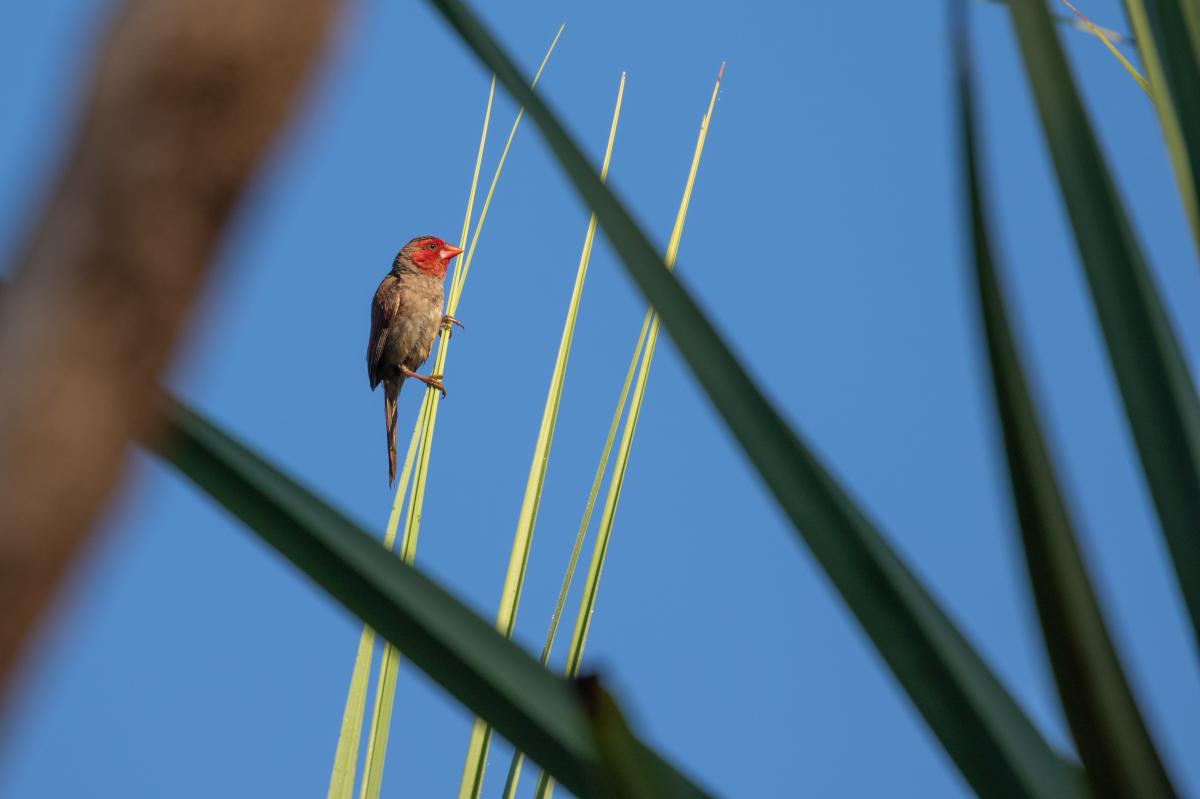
{"points": [[383, 310]]}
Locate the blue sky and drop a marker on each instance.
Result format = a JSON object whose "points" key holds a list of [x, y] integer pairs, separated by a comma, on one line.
{"points": [[824, 238]]}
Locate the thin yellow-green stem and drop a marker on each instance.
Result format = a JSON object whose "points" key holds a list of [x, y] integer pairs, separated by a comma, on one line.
{"points": [[593, 493], [608, 512], [381, 721], [1116, 37], [587, 602], [1101, 34], [481, 732], [518, 759], [389, 538], [456, 290], [466, 225], [346, 756], [432, 396], [456, 286], [616, 482], [385, 686], [385, 694]]}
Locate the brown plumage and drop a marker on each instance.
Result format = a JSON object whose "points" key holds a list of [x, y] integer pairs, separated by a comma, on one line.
{"points": [[406, 315]]}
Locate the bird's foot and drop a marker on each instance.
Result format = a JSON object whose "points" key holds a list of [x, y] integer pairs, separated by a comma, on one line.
{"points": [[433, 381], [449, 320]]}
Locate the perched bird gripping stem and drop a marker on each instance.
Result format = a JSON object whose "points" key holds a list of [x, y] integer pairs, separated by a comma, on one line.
{"points": [[406, 317]]}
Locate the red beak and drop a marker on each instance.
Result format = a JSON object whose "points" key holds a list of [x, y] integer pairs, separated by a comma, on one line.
{"points": [[449, 251]]}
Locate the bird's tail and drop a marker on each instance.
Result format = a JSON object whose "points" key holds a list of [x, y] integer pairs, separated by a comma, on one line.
{"points": [[391, 391]]}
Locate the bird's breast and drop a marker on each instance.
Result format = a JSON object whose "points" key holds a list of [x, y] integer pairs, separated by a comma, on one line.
{"points": [[421, 304]]}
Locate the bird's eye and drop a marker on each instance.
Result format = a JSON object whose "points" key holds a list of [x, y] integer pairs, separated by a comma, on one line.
{"points": [[431, 246]]}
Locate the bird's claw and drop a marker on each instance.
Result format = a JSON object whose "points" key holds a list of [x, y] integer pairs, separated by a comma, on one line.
{"points": [[449, 320], [435, 381]]}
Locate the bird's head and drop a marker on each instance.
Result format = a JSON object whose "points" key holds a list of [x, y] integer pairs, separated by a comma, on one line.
{"points": [[428, 255]]}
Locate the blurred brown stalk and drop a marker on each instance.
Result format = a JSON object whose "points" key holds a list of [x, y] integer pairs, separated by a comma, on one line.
{"points": [[185, 98]]}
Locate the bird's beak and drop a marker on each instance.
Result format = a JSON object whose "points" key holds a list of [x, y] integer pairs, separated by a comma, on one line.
{"points": [[449, 251]]}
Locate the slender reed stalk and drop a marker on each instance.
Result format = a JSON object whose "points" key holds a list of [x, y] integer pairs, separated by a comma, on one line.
{"points": [[481, 732], [1100, 34], [346, 756], [385, 687], [381, 722], [587, 603], [1073, 20], [518, 758]]}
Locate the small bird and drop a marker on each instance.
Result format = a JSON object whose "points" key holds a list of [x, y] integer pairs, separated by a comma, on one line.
{"points": [[406, 316]]}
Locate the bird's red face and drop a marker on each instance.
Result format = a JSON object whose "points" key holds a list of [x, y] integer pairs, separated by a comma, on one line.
{"points": [[431, 255]]}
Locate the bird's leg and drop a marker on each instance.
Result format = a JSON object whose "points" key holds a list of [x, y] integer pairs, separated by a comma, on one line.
{"points": [[432, 380], [448, 320]]}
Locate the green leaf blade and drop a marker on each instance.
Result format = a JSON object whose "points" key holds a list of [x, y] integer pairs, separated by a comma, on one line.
{"points": [[623, 773], [460, 651], [1170, 55], [1109, 732], [989, 737], [1155, 385]]}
